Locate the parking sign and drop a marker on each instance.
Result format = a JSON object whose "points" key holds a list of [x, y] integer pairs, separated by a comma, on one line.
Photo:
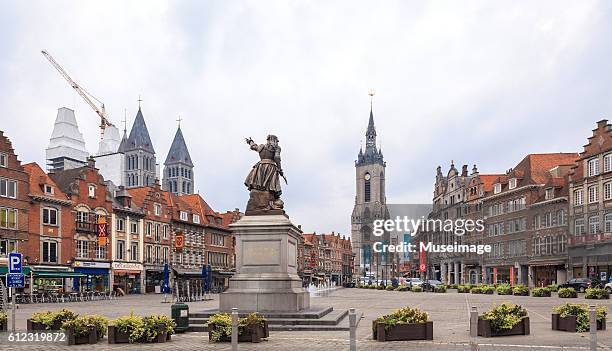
{"points": [[14, 262]]}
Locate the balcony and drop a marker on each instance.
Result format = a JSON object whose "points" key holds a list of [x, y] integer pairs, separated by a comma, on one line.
{"points": [[589, 238], [87, 227]]}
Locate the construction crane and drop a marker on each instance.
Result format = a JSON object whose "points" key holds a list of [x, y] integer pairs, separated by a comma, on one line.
{"points": [[104, 122]]}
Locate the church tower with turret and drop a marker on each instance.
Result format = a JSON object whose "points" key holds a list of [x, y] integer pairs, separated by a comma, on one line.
{"points": [[178, 168], [370, 202]]}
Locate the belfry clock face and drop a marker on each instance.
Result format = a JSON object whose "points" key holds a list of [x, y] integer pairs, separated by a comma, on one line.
{"points": [[367, 176]]}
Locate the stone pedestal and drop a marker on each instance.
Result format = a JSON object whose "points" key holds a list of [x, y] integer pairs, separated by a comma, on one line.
{"points": [[266, 277]]}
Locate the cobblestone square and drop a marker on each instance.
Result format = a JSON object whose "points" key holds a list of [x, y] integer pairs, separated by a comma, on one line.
{"points": [[449, 312]]}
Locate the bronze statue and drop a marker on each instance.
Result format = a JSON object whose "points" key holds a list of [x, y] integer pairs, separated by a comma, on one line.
{"points": [[263, 181]]}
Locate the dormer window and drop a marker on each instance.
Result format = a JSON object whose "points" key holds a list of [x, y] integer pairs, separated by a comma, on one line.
{"points": [[183, 216], [497, 188], [550, 193], [512, 183], [91, 191], [48, 189], [196, 219], [593, 167]]}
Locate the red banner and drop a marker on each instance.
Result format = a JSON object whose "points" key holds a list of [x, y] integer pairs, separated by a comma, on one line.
{"points": [[494, 275], [422, 260], [511, 276], [102, 231]]}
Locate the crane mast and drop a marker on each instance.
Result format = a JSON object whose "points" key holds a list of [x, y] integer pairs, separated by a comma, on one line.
{"points": [[104, 122]]}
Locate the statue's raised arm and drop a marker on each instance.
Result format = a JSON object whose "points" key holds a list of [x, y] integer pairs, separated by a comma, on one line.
{"points": [[264, 179]]}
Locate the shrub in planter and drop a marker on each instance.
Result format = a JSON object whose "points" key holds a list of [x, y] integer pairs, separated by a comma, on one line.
{"points": [[502, 320], [575, 317], [3, 321], [251, 328], [50, 320], [380, 287], [402, 288], [81, 330], [389, 288], [596, 293], [487, 289], [417, 288], [476, 290], [552, 287], [540, 292], [566, 293], [440, 288], [504, 289], [463, 289], [452, 286], [520, 290], [404, 324], [126, 329], [158, 327]]}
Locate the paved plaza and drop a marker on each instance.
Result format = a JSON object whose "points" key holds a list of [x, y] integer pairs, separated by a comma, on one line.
{"points": [[448, 311]]}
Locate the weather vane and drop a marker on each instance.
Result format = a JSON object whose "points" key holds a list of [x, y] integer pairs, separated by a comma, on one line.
{"points": [[371, 92], [179, 120], [139, 100]]}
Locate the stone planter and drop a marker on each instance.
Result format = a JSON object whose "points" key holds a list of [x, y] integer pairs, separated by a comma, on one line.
{"points": [[568, 323], [89, 338], [407, 331], [484, 328], [524, 293], [34, 326], [252, 333], [4, 326], [117, 337], [546, 294]]}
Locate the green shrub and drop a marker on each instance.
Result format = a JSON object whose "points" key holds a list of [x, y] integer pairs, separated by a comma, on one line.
{"points": [[504, 289], [49, 318], [464, 288], [565, 293], [487, 289], [520, 290], [553, 287], [401, 316], [540, 292], [452, 286], [134, 326], [82, 324], [156, 324], [389, 288], [380, 287], [402, 288], [581, 311], [476, 290], [440, 288], [3, 317], [220, 324], [505, 316], [596, 293], [417, 288]]}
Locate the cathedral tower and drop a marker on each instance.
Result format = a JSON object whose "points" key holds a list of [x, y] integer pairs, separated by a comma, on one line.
{"points": [[178, 168], [140, 166]]}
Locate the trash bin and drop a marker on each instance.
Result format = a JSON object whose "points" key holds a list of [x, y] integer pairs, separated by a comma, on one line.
{"points": [[180, 314]]}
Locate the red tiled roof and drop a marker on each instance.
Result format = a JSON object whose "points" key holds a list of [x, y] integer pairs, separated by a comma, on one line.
{"points": [[488, 180], [139, 195], [536, 167], [38, 177], [197, 203]]}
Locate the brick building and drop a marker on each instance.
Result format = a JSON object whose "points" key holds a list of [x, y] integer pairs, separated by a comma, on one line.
{"points": [[590, 200], [326, 258], [14, 201]]}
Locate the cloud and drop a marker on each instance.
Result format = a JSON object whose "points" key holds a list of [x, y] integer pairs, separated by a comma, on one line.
{"points": [[475, 82]]}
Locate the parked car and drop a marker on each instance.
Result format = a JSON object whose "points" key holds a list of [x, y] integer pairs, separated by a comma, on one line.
{"points": [[414, 282], [608, 288], [430, 285], [579, 284]]}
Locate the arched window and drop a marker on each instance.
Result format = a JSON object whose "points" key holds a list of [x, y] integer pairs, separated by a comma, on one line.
{"points": [[184, 186], [367, 188]]}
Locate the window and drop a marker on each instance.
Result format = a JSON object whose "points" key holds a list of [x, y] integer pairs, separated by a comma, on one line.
{"points": [[578, 197], [82, 216], [157, 209], [166, 251], [608, 191], [7, 246], [149, 229], [579, 226], [120, 225], [8, 188], [49, 252], [562, 243], [3, 159], [217, 239], [593, 167], [157, 254], [49, 216], [157, 232], [120, 254], [560, 217], [133, 227], [593, 194], [82, 249], [149, 254], [497, 188], [92, 191], [166, 230], [608, 222], [196, 219], [367, 188], [48, 189], [512, 183], [608, 163], [8, 218], [134, 251], [183, 216], [593, 224], [100, 251], [550, 193]]}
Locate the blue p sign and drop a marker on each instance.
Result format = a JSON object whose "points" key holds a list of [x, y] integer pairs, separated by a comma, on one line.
{"points": [[14, 262]]}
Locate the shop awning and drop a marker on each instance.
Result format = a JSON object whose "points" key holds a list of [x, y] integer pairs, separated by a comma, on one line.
{"points": [[25, 270], [49, 274], [187, 274]]}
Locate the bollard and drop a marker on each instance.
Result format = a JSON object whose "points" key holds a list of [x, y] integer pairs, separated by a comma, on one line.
{"points": [[234, 329], [473, 328], [352, 330], [593, 327]]}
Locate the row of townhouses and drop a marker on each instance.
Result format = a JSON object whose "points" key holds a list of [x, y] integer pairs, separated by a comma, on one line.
{"points": [[548, 219], [325, 259]]}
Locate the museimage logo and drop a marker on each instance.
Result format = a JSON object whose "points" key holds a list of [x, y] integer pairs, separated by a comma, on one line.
{"points": [[406, 229]]}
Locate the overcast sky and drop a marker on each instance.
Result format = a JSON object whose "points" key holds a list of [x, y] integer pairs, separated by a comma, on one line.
{"points": [[475, 82]]}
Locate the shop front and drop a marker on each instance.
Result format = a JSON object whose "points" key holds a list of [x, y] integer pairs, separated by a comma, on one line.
{"points": [[154, 279], [127, 277], [547, 274], [220, 280], [97, 277]]}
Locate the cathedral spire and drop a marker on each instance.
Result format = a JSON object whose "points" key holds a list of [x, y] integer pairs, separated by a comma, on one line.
{"points": [[371, 154]]}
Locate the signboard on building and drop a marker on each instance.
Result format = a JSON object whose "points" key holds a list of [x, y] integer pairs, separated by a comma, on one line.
{"points": [[422, 260], [127, 266], [102, 231], [179, 241], [15, 262], [91, 264]]}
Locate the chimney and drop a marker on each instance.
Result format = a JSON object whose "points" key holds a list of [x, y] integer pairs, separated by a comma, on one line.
{"points": [[91, 162], [464, 171], [474, 170]]}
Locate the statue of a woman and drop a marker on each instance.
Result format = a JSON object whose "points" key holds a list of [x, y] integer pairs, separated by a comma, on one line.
{"points": [[264, 179]]}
